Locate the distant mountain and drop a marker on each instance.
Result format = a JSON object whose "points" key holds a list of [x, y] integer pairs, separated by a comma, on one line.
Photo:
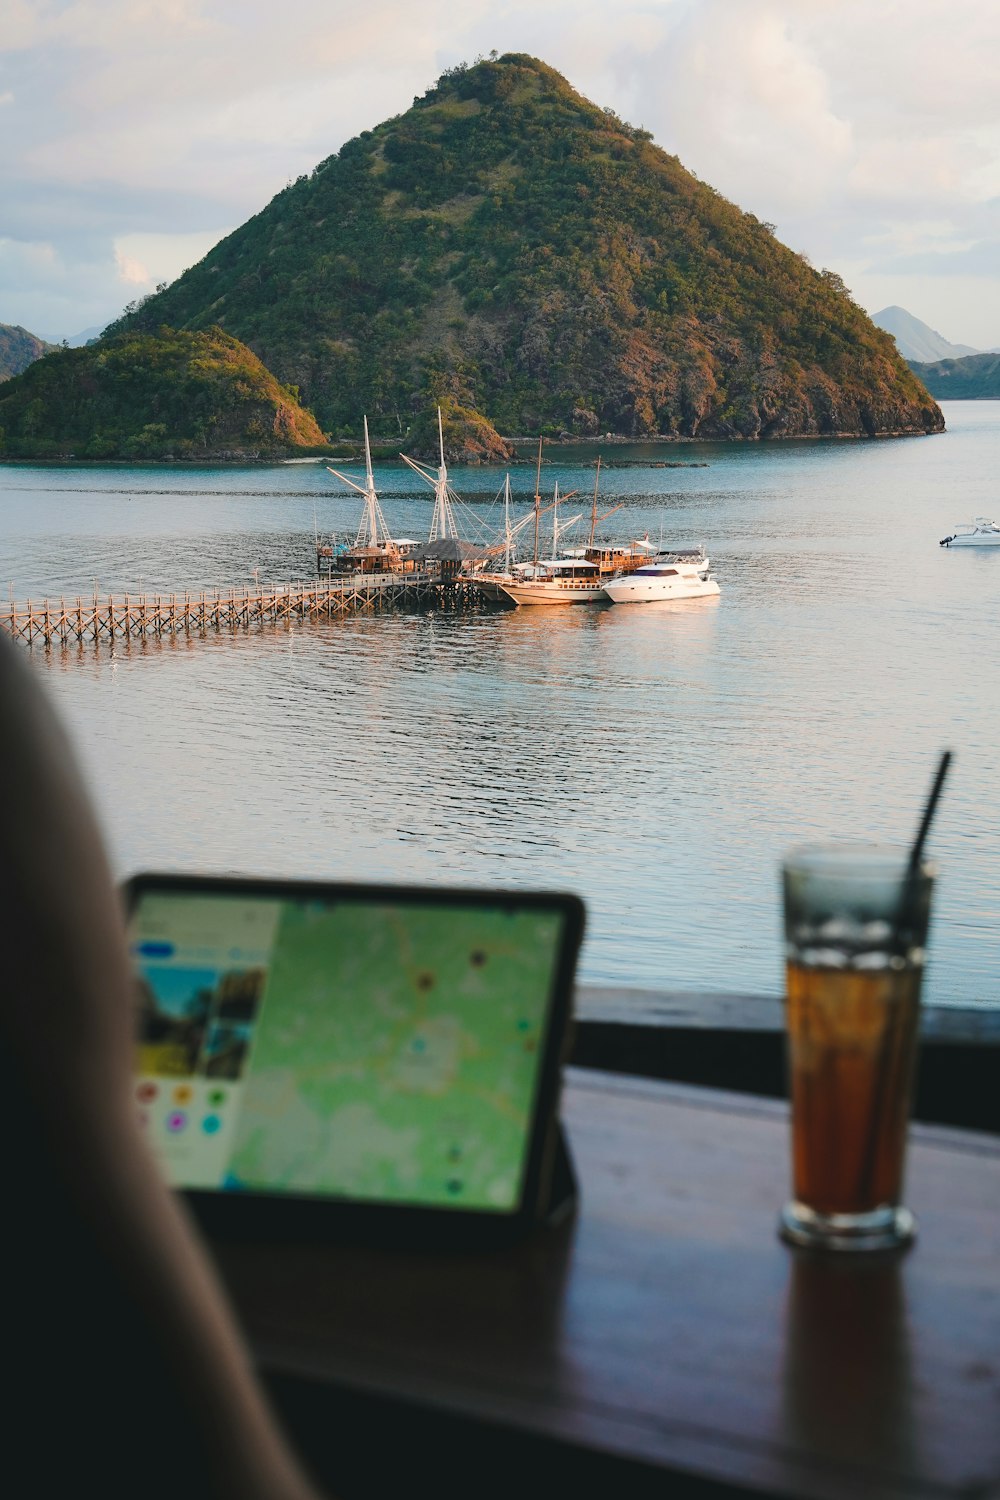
{"points": [[19, 349], [169, 395], [77, 340], [976, 377], [510, 247], [916, 340]]}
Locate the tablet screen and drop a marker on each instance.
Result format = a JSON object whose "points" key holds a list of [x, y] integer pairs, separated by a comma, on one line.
{"points": [[376, 1049]]}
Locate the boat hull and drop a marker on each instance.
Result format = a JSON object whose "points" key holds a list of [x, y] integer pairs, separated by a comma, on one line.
{"points": [[979, 532], [493, 588], [550, 593], [634, 589]]}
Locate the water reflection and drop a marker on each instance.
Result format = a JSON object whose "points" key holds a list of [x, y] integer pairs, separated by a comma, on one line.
{"points": [[848, 1385], [659, 759]]}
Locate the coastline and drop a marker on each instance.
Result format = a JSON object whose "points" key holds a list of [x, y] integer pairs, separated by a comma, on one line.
{"points": [[388, 453]]}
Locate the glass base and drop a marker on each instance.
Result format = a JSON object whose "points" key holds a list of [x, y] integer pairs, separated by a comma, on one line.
{"points": [[883, 1229]]}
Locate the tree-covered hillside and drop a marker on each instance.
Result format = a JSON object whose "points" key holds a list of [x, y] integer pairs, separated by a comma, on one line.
{"points": [[141, 395], [976, 377], [510, 245], [19, 349]]}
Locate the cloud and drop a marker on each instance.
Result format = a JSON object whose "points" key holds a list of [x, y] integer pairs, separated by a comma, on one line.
{"points": [[36, 255], [146, 259], [851, 126], [131, 271], [841, 121], [979, 259], [49, 287], [745, 103]]}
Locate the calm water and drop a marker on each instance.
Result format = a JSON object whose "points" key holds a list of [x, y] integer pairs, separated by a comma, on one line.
{"points": [[658, 760]]}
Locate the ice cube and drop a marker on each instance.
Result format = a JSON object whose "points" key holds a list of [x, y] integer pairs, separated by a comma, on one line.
{"points": [[873, 963], [824, 958]]}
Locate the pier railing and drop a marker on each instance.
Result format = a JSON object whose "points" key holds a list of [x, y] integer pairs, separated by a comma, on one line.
{"points": [[196, 612]]}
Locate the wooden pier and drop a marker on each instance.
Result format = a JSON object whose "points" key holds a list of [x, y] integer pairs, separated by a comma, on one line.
{"points": [[105, 618]]}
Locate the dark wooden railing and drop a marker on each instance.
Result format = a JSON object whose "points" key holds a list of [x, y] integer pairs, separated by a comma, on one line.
{"points": [[737, 1042]]}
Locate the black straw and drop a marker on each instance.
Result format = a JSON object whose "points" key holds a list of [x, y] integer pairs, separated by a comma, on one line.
{"points": [[905, 923], [908, 894], [930, 808]]}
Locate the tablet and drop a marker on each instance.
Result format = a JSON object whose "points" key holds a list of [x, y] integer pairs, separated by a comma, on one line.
{"points": [[333, 1055]]}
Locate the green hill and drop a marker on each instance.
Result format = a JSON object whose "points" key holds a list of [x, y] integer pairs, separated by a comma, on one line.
{"points": [[19, 349], [141, 395], [512, 246], [974, 377]]}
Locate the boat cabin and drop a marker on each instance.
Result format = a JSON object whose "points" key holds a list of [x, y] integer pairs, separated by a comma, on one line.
{"points": [[564, 569], [392, 556], [611, 558]]}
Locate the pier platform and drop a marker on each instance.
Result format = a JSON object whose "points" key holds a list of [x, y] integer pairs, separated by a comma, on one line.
{"points": [[124, 616]]}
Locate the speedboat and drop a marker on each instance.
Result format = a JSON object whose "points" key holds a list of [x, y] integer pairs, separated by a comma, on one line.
{"points": [[669, 575], [977, 533]]}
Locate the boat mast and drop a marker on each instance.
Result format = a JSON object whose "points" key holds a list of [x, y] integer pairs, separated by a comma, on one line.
{"points": [[538, 496], [373, 529], [555, 521], [442, 521], [593, 508], [443, 517], [508, 534]]}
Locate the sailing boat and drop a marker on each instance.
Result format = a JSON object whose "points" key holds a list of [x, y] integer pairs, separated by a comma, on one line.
{"points": [[555, 579], [374, 550], [492, 580]]}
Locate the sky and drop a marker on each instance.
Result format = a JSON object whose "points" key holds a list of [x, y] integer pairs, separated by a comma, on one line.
{"points": [[135, 133]]}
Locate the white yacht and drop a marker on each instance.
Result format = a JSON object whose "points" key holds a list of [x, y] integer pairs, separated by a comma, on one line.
{"points": [[681, 574], [977, 533]]}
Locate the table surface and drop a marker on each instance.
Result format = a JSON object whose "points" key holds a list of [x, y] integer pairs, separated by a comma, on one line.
{"points": [[668, 1324]]}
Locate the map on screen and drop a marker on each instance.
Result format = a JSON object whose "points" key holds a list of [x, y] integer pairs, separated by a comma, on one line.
{"points": [[383, 1052]]}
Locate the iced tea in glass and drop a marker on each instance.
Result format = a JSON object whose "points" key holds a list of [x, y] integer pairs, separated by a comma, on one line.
{"points": [[855, 929]]}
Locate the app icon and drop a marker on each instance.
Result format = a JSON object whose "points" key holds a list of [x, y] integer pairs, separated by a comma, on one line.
{"points": [[177, 1121], [182, 1093], [146, 1092], [210, 1124], [217, 1097]]}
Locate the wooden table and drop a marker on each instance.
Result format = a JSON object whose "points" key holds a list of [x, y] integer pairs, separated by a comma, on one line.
{"points": [[667, 1330]]}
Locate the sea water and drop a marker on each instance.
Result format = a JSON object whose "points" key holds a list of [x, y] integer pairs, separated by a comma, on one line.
{"points": [[657, 759]]}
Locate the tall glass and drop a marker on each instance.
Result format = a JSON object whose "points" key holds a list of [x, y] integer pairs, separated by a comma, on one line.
{"points": [[855, 931]]}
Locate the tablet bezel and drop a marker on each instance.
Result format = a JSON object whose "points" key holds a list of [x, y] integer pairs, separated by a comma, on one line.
{"points": [[265, 1215]]}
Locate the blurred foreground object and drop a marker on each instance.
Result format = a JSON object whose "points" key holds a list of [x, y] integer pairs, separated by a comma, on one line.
{"points": [[128, 1370]]}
